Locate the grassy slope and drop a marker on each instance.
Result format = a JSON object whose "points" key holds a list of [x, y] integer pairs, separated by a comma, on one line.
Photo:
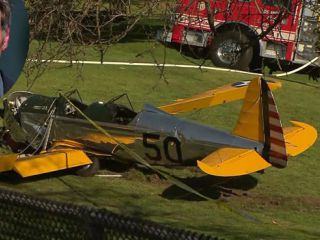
{"points": [[287, 202]]}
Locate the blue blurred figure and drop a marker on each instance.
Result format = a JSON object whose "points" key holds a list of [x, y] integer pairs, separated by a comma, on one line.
{"points": [[5, 14]]}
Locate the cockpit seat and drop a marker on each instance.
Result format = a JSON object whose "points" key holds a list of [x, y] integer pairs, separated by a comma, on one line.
{"points": [[102, 112]]}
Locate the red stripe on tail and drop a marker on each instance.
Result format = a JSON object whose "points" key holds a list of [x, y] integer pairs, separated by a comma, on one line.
{"points": [[278, 155]]}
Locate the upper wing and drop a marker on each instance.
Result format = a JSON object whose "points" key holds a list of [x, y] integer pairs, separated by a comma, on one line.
{"points": [[299, 137], [224, 94], [228, 162]]}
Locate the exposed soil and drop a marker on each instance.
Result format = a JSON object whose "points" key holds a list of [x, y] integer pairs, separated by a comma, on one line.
{"points": [[297, 203]]}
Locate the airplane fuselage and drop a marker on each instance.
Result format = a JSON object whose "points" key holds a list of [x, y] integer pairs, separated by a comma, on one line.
{"points": [[155, 135], [159, 137]]}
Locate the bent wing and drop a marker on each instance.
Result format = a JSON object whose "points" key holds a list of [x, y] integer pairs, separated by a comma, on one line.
{"points": [[224, 94], [299, 137], [229, 162], [50, 161], [46, 162]]}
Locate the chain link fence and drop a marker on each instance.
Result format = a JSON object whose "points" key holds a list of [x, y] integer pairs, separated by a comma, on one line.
{"points": [[26, 217]]}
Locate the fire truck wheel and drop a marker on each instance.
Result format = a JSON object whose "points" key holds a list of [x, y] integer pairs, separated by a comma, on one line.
{"points": [[89, 170], [229, 50]]}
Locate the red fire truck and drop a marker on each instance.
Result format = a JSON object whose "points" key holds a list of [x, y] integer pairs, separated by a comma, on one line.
{"points": [[237, 33]]}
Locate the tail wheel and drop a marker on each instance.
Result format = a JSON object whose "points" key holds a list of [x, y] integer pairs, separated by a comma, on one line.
{"points": [[90, 169], [231, 49]]}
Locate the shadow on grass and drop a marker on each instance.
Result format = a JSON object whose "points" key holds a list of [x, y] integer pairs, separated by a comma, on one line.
{"points": [[142, 32], [212, 187], [12, 178]]}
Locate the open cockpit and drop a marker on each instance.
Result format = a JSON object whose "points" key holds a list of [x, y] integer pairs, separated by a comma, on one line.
{"points": [[111, 111]]}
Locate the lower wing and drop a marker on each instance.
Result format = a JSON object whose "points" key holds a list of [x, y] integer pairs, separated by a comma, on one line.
{"points": [[46, 162]]}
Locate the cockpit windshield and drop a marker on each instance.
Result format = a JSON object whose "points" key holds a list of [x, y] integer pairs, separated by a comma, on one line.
{"points": [[120, 99], [113, 111]]}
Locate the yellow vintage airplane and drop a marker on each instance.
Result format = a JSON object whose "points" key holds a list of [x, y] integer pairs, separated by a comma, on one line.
{"points": [[52, 133]]}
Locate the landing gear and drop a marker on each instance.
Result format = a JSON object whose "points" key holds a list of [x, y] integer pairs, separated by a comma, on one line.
{"points": [[89, 170], [231, 49]]}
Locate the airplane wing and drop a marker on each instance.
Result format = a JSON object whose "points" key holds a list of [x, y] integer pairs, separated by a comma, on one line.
{"points": [[299, 137], [64, 154], [228, 162], [46, 162], [224, 94]]}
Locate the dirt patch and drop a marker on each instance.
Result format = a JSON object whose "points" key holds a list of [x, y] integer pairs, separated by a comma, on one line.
{"points": [[297, 203], [145, 175], [156, 179]]}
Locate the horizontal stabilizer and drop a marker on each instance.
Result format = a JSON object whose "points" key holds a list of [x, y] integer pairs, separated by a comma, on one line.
{"points": [[228, 162], [221, 95], [299, 137], [50, 162]]}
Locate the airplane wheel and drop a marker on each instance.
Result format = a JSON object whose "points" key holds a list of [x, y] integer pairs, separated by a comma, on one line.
{"points": [[89, 170], [229, 50]]}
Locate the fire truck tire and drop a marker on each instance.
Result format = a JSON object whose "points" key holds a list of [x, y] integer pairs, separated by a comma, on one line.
{"points": [[89, 170], [228, 50]]}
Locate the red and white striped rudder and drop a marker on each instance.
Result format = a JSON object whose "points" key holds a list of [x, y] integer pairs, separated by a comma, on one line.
{"points": [[275, 147]]}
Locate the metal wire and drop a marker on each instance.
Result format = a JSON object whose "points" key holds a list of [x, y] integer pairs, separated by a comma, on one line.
{"points": [[38, 134]]}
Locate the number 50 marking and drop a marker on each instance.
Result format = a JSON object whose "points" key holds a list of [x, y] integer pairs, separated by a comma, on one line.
{"points": [[166, 143]]}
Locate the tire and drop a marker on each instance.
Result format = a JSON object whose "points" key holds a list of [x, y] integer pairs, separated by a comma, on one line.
{"points": [[229, 50], [90, 169]]}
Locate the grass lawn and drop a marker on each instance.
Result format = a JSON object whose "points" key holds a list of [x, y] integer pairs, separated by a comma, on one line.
{"points": [[286, 203]]}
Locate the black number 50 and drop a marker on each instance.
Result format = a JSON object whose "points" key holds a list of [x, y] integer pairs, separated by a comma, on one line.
{"points": [[148, 137]]}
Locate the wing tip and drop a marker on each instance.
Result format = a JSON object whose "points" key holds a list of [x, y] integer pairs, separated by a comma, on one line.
{"points": [[303, 141]]}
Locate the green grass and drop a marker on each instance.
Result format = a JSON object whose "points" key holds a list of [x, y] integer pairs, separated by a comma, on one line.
{"points": [[131, 51], [285, 202]]}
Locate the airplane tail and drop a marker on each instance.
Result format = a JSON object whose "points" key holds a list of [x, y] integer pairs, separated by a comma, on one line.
{"points": [[259, 121]]}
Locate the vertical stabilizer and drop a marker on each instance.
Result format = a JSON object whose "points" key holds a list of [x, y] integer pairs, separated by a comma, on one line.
{"points": [[250, 122], [259, 120]]}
